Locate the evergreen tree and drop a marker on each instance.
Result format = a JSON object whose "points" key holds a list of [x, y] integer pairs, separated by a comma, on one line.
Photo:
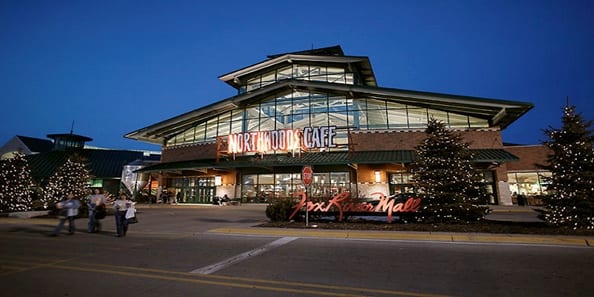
{"points": [[571, 186], [73, 176], [446, 178], [16, 184]]}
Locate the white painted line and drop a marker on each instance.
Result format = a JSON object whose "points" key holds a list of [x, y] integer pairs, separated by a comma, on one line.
{"points": [[230, 261]]}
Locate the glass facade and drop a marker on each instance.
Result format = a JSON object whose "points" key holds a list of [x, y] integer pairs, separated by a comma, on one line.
{"points": [[266, 187], [529, 183], [299, 72], [299, 109], [194, 189]]}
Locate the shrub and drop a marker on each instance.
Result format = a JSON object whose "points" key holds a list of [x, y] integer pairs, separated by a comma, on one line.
{"points": [[279, 210]]}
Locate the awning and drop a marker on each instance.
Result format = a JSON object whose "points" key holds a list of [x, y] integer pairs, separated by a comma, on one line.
{"points": [[320, 158]]}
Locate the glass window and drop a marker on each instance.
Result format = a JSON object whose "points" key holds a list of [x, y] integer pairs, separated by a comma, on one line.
{"points": [[458, 120], [319, 103], [318, 73], [268, 78], [337, 103], [336, 75], [417, 117], [301, 72], [340, 119], [527, 183], [253, 125], [373, 104], [253, 83], [200, 132], [211, 128], [224, 124], [478, 123], [397, 118], [349, 79], [376, 119], [284, 73], [439, 115]]}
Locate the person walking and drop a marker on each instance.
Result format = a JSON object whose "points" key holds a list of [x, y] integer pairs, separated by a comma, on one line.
{"points": [[96, 203], [68, 210], [121, 206]]}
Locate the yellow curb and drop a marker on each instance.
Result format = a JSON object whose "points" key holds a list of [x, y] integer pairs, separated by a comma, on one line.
{"points": [[417, 236]]}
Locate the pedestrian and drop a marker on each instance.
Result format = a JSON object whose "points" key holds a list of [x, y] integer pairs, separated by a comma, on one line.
{"points": [[96, 203], [121, 206], [68, 210]]}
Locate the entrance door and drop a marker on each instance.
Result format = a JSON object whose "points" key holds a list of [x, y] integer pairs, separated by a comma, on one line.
{"points": [[204, 190], [195, 189]]}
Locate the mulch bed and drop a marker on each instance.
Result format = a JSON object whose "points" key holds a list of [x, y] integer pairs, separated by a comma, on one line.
{"points": [[485, 226]]}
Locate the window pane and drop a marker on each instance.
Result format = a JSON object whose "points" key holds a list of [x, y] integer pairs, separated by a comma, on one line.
{"points": [[439, 115], [349, 80], [397, 118], [417, 117], [301, 72], [253, 83], [376, 119], [478, 123], [200, 132], [284, 73], [373, 104], [458, 120], [300, 102], [339, 119], [268, 78], [236, 126], [211, 128], [318, 73], [224, 124], [319, 103], [337, 103]]}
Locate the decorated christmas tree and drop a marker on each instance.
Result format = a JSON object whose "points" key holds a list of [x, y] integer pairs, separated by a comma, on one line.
{"points": [[73, 176], [571, 186], [446, 178], [16, 184]]}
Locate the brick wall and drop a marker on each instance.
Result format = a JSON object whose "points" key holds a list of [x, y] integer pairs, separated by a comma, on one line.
{"points": [[407, 140], [529, 155], [189, 152]]}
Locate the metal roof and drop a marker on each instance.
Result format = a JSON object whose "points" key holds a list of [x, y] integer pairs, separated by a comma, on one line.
{"points": [[499, 112], [321, 56], [101, 163], [322, 158], [36, 145]]}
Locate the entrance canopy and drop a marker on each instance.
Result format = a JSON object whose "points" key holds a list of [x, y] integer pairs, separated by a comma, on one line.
{"points": [[329, 158]]}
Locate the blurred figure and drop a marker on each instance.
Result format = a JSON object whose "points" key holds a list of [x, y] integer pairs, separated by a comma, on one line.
{"points": [[68, 210]]}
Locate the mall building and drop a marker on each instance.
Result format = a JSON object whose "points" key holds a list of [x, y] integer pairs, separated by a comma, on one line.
{"points": [[324, 109]]}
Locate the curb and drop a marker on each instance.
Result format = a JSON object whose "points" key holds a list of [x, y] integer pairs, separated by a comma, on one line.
{"points": [[576, 241]]}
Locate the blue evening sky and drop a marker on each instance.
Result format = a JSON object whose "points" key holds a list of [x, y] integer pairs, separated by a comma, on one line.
{"points": [[113, 67]]}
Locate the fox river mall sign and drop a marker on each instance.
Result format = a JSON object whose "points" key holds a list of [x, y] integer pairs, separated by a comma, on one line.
{"points": [[282, 140], [342, 203]]}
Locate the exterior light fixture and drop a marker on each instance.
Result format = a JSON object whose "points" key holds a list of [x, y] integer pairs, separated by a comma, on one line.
{"points": [[377, 176]]}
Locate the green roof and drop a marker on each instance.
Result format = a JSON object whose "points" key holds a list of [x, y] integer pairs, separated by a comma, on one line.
{"points": [[101, 163], [321, 158]]}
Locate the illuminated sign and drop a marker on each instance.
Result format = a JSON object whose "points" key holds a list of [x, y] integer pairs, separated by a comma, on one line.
{"points": [[282, 140], [342, 203]]}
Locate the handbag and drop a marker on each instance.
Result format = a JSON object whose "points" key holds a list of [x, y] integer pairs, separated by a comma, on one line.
{"points": [[132, 220], [131, 215], [100, 212]]}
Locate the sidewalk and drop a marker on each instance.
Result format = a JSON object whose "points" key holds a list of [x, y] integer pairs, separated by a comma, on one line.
{"points": [[157, 223]]}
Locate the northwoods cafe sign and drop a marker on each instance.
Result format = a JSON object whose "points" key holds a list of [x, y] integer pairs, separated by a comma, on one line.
{"points": [[282, 140]]}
